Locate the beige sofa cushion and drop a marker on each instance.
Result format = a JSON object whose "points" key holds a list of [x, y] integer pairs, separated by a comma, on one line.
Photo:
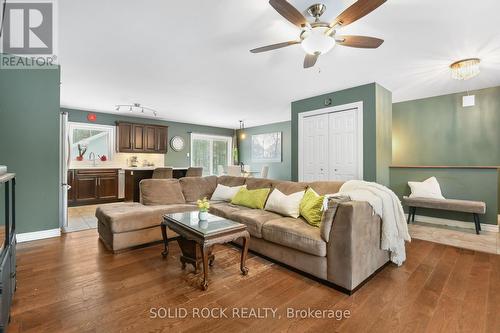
{"points": [[161, 192], [295, 233], [195, 188], [254, 219], [465, 206], [231, 181], [128, 216], [325, 187], [288, 188], [256, 183], [223, 209]]}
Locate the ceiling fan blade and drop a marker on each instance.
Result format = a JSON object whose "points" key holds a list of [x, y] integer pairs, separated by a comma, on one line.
{"points": [[289, 12], [356, 11], [310, 60], [359, 41], [274, 46]]}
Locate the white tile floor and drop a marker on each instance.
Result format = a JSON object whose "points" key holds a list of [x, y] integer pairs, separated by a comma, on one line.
{"points": [[81, 218]]}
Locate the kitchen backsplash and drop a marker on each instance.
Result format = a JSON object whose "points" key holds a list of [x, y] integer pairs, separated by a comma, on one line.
{"points": [[121, 160]]}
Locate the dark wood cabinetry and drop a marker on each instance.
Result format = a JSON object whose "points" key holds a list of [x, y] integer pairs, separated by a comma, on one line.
{"points": [[91, 186], [125, 137], [141, 138], [132, 180]]}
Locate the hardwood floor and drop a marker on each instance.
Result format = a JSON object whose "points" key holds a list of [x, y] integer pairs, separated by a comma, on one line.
{"points": [[72, 284]]}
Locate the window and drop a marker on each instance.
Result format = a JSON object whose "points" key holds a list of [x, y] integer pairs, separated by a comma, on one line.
{"points": [[210, 152], [90, 138]]}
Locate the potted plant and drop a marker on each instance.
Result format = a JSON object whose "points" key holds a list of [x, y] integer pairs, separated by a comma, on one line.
{"points": [[203, 206]]}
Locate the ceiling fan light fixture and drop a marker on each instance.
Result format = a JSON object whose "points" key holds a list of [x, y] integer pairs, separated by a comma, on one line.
{"points": [[316, 42]]}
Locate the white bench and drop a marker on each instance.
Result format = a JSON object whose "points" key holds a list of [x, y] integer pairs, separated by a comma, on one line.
{"points": [[464, 206]]}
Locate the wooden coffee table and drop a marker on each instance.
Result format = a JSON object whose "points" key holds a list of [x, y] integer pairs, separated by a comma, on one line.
{"points": [[197, 239]]}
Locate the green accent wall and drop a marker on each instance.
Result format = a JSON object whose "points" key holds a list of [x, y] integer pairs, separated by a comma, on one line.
{"points": [[172, 158], [459, 183], [377, 109], [439, 131], [383, 125], [29, 143], [277, 170]]}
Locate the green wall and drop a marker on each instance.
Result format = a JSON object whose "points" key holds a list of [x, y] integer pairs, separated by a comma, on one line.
{"points": [[29, 143], [377, 107], [278, 170], [439, 131], [459, 183], [383, 134], [172, 158]]}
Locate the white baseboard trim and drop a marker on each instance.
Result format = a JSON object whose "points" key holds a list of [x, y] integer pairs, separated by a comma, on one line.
{"points": [[36, 235], [454, 223]]}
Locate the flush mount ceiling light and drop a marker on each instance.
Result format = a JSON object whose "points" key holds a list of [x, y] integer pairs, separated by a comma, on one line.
{"points": [[136, 107], [465, 69], [318, 38]]}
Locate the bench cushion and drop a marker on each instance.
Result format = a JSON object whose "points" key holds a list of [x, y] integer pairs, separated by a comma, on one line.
{"points": [[466, 206]]}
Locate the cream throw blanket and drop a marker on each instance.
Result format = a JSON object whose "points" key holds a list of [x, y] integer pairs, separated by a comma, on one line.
{"points": [[386, 205]]}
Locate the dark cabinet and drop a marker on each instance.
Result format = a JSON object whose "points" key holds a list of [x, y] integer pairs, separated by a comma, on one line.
{"points": [[138, 138], [125, 137], [92, 186], [151, 139], [132, 181], [141, 138]]}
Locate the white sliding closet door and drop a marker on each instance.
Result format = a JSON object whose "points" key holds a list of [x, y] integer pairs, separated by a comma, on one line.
{"points": [[315, 148], [343, 154], [331, 143]]}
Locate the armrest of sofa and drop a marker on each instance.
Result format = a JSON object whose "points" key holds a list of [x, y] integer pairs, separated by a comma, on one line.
{"points": [[353, 250], [161, 192]]}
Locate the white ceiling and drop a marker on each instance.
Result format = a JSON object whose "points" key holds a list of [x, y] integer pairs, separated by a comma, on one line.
{"points": [[190, 60]]}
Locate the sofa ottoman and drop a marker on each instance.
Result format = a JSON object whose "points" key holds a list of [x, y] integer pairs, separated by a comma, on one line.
{"points": [[130, 224]]}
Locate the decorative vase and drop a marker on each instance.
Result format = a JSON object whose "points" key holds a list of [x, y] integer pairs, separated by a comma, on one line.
{"points": [[203, 215]]}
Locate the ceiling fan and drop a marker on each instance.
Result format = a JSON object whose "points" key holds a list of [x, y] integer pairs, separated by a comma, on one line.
{"points": [[317, 38]]}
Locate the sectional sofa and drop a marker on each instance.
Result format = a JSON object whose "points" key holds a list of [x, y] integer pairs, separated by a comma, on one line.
{"points": [[344, 251]]}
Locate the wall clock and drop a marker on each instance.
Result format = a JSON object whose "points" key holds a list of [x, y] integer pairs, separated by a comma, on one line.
{"points": [[177, 143]]}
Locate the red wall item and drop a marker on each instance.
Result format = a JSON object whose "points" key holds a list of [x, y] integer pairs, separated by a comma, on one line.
{"points": [[91, 117]]}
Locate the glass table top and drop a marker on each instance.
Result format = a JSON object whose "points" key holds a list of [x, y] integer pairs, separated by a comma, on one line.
{"points": [[213, 225]]}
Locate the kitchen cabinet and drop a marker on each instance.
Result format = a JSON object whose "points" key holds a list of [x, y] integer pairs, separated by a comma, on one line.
{"points": [[132, 180], [124, 137], [92, 186], [141, 138]]}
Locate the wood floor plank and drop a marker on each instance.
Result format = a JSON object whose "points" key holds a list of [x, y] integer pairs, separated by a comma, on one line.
{"points": [[73, 284]]}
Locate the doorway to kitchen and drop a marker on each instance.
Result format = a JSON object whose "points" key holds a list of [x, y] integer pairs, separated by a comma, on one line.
{"points": [[84, 182]]}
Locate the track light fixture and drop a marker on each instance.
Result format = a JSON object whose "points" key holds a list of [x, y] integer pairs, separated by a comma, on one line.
{"points": [[137, 107]]}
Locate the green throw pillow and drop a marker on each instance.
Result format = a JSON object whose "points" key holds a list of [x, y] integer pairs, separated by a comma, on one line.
{"points": [[251, 198], [311, 207]]}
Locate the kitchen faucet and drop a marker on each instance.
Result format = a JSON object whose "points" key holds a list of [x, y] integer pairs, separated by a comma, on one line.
{"points": [[92, 159]]}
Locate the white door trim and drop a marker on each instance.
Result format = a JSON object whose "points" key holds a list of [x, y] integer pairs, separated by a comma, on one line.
{"points": [[358, 106]]}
